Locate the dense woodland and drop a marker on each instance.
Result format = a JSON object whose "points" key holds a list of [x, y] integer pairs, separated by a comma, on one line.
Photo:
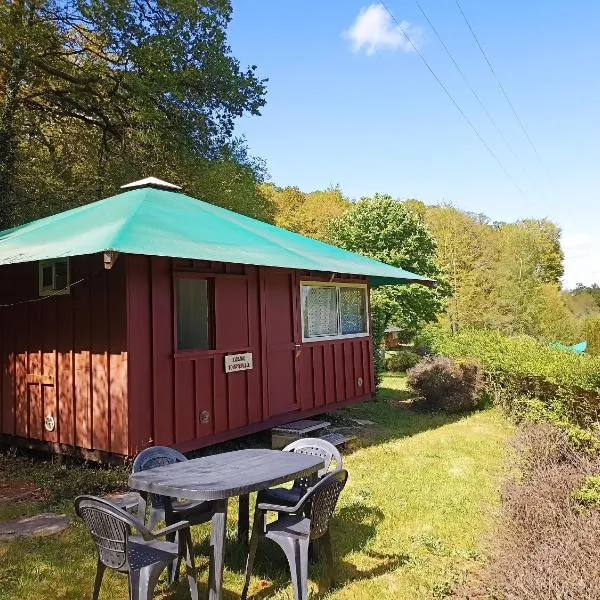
{"points": [[97, 94]]}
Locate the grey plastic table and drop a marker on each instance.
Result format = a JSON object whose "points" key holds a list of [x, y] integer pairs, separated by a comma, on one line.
{"points": [[218, 478]]}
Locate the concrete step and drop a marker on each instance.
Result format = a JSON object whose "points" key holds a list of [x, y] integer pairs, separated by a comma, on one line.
{"points": [[285, 434]]}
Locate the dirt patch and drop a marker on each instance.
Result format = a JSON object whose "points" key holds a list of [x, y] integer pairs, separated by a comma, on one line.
{"points": [[16, 490]]}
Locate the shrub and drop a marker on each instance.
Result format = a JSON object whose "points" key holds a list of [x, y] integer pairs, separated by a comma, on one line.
{"points": [[444, 384], [400, 360], [544, 548], [588, 495], [524, 375]]}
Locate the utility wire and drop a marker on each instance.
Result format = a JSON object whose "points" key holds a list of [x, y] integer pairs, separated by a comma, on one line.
{"points": [[475, 94], [493, 71], [52, 294], [451, 98]]}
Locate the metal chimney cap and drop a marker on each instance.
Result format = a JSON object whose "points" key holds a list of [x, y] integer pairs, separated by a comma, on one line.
{"points": [[151, 182]]}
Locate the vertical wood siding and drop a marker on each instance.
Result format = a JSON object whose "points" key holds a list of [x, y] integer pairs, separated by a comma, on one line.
{"points": [[79, 342], [114, 380], [185, 398]]}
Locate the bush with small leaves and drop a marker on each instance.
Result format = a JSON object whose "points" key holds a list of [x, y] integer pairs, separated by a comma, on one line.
{"points": [[588, 495], [400, 360], [441, 383]]}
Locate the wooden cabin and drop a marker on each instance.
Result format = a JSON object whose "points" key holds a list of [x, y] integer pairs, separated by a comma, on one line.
{"points": [[154, 318]]}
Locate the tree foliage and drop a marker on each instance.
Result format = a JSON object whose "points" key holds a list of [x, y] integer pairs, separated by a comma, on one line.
{"points": [[306, 213], [94, 93], [504, 276], [386, 230]]}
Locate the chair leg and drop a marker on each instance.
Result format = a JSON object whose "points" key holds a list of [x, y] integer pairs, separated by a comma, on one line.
{"points": [[134, 585], [296, 552], [258, 527], [329, 566], [100, 568], [187, 551], [148, 577]]}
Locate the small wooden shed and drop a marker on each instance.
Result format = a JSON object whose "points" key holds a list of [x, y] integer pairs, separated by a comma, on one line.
{"points": [[154, 318]]}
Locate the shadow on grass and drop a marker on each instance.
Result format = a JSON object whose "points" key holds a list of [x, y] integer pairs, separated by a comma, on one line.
{"points": [[394, 418], [352, 529]]}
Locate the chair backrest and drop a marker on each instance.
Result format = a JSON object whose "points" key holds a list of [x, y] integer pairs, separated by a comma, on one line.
{"points": [[323, 498], [109, 526], [321, 448], [156, 456]]}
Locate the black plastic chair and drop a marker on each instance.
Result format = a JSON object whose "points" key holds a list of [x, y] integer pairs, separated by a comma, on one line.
{"points": [[293, 531], [195, 513], [141, 555], [315, 447]]}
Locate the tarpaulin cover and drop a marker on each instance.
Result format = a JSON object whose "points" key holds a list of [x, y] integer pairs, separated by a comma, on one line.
{"points": [[154, 221]]}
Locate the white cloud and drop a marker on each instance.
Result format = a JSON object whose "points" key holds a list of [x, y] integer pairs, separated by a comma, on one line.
{"points": [[582, 259], [374, 29]]}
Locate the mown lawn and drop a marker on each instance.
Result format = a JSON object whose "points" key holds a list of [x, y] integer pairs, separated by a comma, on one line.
{"points": [[422, 492]]}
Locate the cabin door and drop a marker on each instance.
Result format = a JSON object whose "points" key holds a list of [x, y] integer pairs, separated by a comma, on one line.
{"points": [[282, 347]]}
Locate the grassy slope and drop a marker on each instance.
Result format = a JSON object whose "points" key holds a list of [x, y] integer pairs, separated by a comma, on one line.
{"points": [[421, 492]]}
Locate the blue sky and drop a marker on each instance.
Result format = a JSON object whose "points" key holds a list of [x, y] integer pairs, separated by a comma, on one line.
{"points": [[350, 103]]}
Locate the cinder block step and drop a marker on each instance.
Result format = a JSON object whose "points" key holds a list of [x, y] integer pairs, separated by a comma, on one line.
{"points": [[285, 434], [337, 439]]}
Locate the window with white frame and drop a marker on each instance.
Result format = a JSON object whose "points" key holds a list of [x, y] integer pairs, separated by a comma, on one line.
{"points": [[333, 310]]}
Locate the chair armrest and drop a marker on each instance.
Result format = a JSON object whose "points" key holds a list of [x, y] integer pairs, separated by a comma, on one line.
{"points": [[277, 508], [171, 529], [301, 503]]}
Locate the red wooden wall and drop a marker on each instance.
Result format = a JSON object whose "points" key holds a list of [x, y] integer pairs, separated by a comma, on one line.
{"points": [[186, 398], [65, 356], [103, 361]]}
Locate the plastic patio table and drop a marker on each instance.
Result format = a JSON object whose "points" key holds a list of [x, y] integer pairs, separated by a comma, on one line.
{"points": [[218, 478]]}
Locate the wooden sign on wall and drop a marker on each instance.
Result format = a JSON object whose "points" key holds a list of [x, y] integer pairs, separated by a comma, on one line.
{"points": [[238, 362]]}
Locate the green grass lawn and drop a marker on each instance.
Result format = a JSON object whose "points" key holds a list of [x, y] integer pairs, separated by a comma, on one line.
{"points": [[422, 492]]}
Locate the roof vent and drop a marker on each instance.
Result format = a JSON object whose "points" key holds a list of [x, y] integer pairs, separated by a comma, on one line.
{"points": [[151, 182]]}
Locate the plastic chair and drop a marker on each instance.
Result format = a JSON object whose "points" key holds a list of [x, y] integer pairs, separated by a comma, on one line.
{"points": [[293, 531], [195, 513], [314, 447], [141, 555]]}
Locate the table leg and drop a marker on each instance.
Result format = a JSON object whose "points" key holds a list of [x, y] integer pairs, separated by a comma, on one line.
{"points": [[173, 568], [244, 519], [217, 543]]}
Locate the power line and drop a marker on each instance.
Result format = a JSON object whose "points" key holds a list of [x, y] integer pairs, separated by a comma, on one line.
{"points": [[52, 294], [468, 84], [451, 98], [493, 71]]}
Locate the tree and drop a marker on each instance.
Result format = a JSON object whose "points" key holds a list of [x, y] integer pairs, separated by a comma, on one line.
{"points": [[465, 254], [308, 214], [386, 230], [528, 258], [115, 73]]}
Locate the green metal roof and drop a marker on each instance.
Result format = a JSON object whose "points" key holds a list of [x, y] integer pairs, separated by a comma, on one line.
{"points": [[157, 221]]}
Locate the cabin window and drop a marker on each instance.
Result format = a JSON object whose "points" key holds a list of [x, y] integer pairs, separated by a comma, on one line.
{"points": [[193, 314], [332, 311], [353, 310], [54, 277]]}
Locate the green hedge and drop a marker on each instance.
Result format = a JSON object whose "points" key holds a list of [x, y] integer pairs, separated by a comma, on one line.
{"points": [[526, 376]]}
